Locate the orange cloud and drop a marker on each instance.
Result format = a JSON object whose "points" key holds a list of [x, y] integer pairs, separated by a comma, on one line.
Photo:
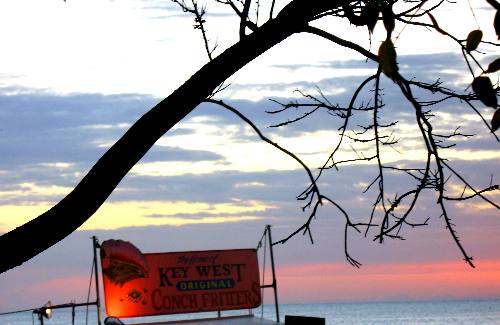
{"points": [[340, 282], [63, 289]]}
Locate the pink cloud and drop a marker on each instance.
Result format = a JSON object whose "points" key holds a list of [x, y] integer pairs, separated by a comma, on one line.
{"points": [[327, 282], [340, 282], [74, 286], [22, 291]]}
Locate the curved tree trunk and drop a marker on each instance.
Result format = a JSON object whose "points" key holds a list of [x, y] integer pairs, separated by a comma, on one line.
{"points": [[32, 238]]}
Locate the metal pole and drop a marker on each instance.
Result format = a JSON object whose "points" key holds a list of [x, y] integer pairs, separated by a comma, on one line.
{"points": [[275, 286], [97, 300]]}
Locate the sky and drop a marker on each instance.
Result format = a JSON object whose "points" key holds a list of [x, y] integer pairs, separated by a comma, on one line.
{"points": [[75, 75]]}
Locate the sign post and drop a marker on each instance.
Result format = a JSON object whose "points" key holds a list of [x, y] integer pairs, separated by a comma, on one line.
{"points": [[95, 243]]}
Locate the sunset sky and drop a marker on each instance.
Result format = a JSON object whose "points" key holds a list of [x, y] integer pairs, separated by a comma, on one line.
{"points": [[75, 75]]}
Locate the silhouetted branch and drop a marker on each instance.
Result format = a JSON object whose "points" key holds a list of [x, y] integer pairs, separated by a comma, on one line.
{"points": [[272, 9], [80, 204], [363, 143], [267, 140], [476, 193], [341, 42], [244, 17], [199, 22], [432, 175]]}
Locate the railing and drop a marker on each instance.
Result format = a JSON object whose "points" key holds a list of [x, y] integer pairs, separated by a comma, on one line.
{"points": [[45, 312]]}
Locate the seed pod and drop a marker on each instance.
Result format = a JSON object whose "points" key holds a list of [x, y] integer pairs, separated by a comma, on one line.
{"points": [[387, 59], [473, 40], [370, 13], [495, 120], [496, 23], [388, 18], [493, 66], [484, 91]]}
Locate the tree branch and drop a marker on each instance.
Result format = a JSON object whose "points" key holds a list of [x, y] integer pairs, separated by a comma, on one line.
{"points": [[73, 210]]}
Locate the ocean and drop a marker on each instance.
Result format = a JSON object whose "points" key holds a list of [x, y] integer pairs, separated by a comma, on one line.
{"points": [[416, 312]]}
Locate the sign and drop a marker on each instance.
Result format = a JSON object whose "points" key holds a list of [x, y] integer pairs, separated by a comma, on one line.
{"points": [[138, 284]]}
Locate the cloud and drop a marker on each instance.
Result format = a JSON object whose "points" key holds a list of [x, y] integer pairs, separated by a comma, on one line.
{"points": [[83, 126], [211, 183], [399, 282], [164, 5], [63, 135], [316, 273], [338, 79], [114, 215], [31, 123], [120, 214]]}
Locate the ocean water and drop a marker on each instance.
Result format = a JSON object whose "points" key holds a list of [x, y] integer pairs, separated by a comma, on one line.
{"points": [[420, 312]]}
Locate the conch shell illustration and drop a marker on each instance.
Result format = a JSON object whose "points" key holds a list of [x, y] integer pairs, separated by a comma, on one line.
{"points": [[122, 262]]}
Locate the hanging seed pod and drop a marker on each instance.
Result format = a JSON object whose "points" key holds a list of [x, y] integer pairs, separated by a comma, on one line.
{"points": [[473, 40], [493, 66], [369, 14], [495, 120], [484, 91], [387, 59], [388, 18], [496, 23]]}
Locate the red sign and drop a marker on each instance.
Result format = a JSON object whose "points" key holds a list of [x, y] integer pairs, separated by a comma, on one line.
{"points": [[138, 284]]}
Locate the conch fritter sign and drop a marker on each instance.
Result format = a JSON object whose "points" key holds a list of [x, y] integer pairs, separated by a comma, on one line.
{"points": [[137, 284]]}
